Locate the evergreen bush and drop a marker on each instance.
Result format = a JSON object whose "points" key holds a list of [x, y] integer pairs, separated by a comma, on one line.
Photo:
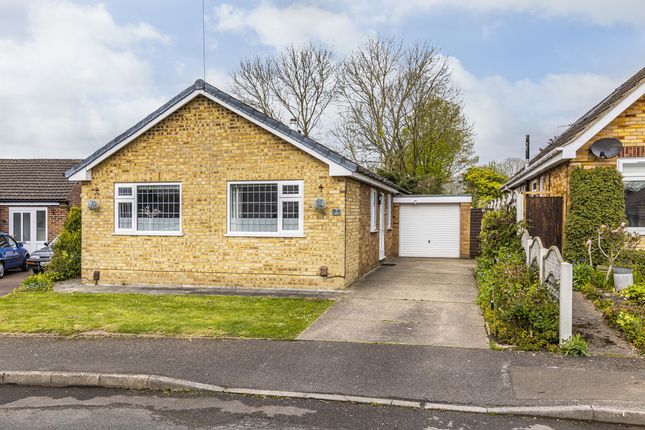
{"points": [[66, 261], [597, 197]]}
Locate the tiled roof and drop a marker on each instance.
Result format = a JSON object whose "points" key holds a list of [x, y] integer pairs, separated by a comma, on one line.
{"points": [[35, 180], [587, 119], [278, 126]]}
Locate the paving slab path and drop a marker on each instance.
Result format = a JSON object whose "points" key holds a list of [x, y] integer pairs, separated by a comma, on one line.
{"points": [[414, 301]]}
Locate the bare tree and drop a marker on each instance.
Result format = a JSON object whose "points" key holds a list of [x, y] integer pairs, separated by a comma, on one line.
{"points": [[398, 106], [299, 83], [253, 84], [507, 167]]}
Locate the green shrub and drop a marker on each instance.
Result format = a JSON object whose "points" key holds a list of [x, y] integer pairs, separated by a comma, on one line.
{"points": [[66, 261], [583, 274], [40, 282], [635, 293], [518, 310], [596, 198], [575, 345], [499, 231], [632, 326]]}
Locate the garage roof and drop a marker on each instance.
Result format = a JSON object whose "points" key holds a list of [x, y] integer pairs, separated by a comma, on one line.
{"points": [[35, 180]]}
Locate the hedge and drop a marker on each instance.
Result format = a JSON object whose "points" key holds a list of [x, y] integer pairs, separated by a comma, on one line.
{"points": [[597, 197]]}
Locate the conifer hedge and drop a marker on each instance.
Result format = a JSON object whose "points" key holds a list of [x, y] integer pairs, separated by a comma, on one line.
{"points": [[597, 197]]}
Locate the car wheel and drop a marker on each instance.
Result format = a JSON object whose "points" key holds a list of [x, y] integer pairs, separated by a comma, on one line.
{"points": [[1, 269], [24, 267], [35, 271]]}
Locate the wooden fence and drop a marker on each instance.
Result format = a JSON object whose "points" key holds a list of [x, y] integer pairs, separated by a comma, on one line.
{"points": [[543, 216], [476, 216]]}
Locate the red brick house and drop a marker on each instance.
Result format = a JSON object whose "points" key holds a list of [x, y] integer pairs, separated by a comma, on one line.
{"points": [[35, 198]]}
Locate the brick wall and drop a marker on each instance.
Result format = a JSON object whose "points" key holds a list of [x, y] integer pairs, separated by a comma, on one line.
{"points": [[628, 127], [203, 146], [56, 216], [464, 230], [4, 219], [362, 244]]}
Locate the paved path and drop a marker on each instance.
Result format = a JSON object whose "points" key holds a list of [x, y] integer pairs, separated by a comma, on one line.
{"points": [[601, 339], [426, 373], [12, 280], [75, 286], [419, 301]]}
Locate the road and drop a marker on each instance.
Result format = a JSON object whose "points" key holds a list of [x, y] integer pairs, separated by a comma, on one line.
{"points": [[94, 408]]}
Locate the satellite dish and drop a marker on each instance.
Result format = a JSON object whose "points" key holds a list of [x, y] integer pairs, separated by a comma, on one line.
{"points": [[607, 147]]}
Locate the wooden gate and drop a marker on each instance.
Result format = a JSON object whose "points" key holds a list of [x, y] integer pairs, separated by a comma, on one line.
{"points": [[544, 219], [475, 228]]}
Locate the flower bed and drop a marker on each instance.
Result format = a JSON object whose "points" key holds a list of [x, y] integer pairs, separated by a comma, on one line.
{"points": [[624, 310], [518, 310]]}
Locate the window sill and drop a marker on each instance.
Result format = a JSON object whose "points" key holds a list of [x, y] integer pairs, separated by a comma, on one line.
{"points": [[298, 235], [373, 231], [147, 233], [639, 230]]}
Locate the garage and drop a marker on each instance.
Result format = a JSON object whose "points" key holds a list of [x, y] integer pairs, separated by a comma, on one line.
{"points": [[432, 226]]}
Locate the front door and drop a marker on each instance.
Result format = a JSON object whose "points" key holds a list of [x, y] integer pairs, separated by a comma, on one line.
{"points": [[29, 227], [381, 228]]}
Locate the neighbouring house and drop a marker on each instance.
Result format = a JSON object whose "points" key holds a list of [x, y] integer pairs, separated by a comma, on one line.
{"points": [[545, 179], [208, 191], [35, 198]]}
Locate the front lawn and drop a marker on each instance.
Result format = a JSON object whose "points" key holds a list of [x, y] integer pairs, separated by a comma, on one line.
{"points": [[171, 315]]}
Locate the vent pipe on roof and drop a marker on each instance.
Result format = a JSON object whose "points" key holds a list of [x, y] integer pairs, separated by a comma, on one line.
{"points": [[293, 125]]}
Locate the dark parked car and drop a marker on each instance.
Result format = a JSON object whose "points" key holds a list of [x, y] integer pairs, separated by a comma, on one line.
{"points": [[12, 254], [41, 258]]}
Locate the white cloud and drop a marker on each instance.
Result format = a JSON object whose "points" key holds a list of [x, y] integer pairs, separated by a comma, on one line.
{"points": [[73, 81], [504, 111], [218, 78], [296, 24], [601, 12]]}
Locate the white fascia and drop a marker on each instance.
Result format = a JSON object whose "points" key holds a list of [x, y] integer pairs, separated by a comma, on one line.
{"points": [[374, 182], [335, 169], [421, 199]]}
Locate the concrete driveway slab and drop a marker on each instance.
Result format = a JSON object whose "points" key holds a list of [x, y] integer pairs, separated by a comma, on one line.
{"points": [[417, 301]]}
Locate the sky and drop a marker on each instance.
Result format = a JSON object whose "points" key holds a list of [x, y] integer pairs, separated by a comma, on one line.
{"points": [[76, 73]]}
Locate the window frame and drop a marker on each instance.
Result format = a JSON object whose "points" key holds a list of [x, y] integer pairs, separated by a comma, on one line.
{"points": [[299, 198], [389, 211], [132, 231], [632, 177], [373, 210]]}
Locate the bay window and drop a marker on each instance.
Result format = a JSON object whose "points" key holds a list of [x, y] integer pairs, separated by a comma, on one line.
{"points": [[266, 208], [147, 208]]}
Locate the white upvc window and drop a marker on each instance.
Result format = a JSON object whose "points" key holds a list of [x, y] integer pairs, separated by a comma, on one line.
{"points": [[389, 211], [152, 209], [633, 171], [373, 209], [265, 208]]}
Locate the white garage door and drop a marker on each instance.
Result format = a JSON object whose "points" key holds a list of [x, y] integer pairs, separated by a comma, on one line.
{"points": [[429, 230]]}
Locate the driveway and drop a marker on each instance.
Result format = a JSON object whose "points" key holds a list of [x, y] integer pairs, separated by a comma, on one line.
{"points": [[11, 281], [417, 301]]}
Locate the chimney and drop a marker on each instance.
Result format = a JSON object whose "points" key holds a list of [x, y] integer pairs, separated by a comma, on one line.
{"points": [[528, 148]]}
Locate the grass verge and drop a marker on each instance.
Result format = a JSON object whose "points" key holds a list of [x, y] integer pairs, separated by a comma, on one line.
{"points": [[170, 315]]}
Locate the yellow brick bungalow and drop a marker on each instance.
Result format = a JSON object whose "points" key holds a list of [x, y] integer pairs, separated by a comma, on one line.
{"points": [[208, 191], [618, 120]]}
